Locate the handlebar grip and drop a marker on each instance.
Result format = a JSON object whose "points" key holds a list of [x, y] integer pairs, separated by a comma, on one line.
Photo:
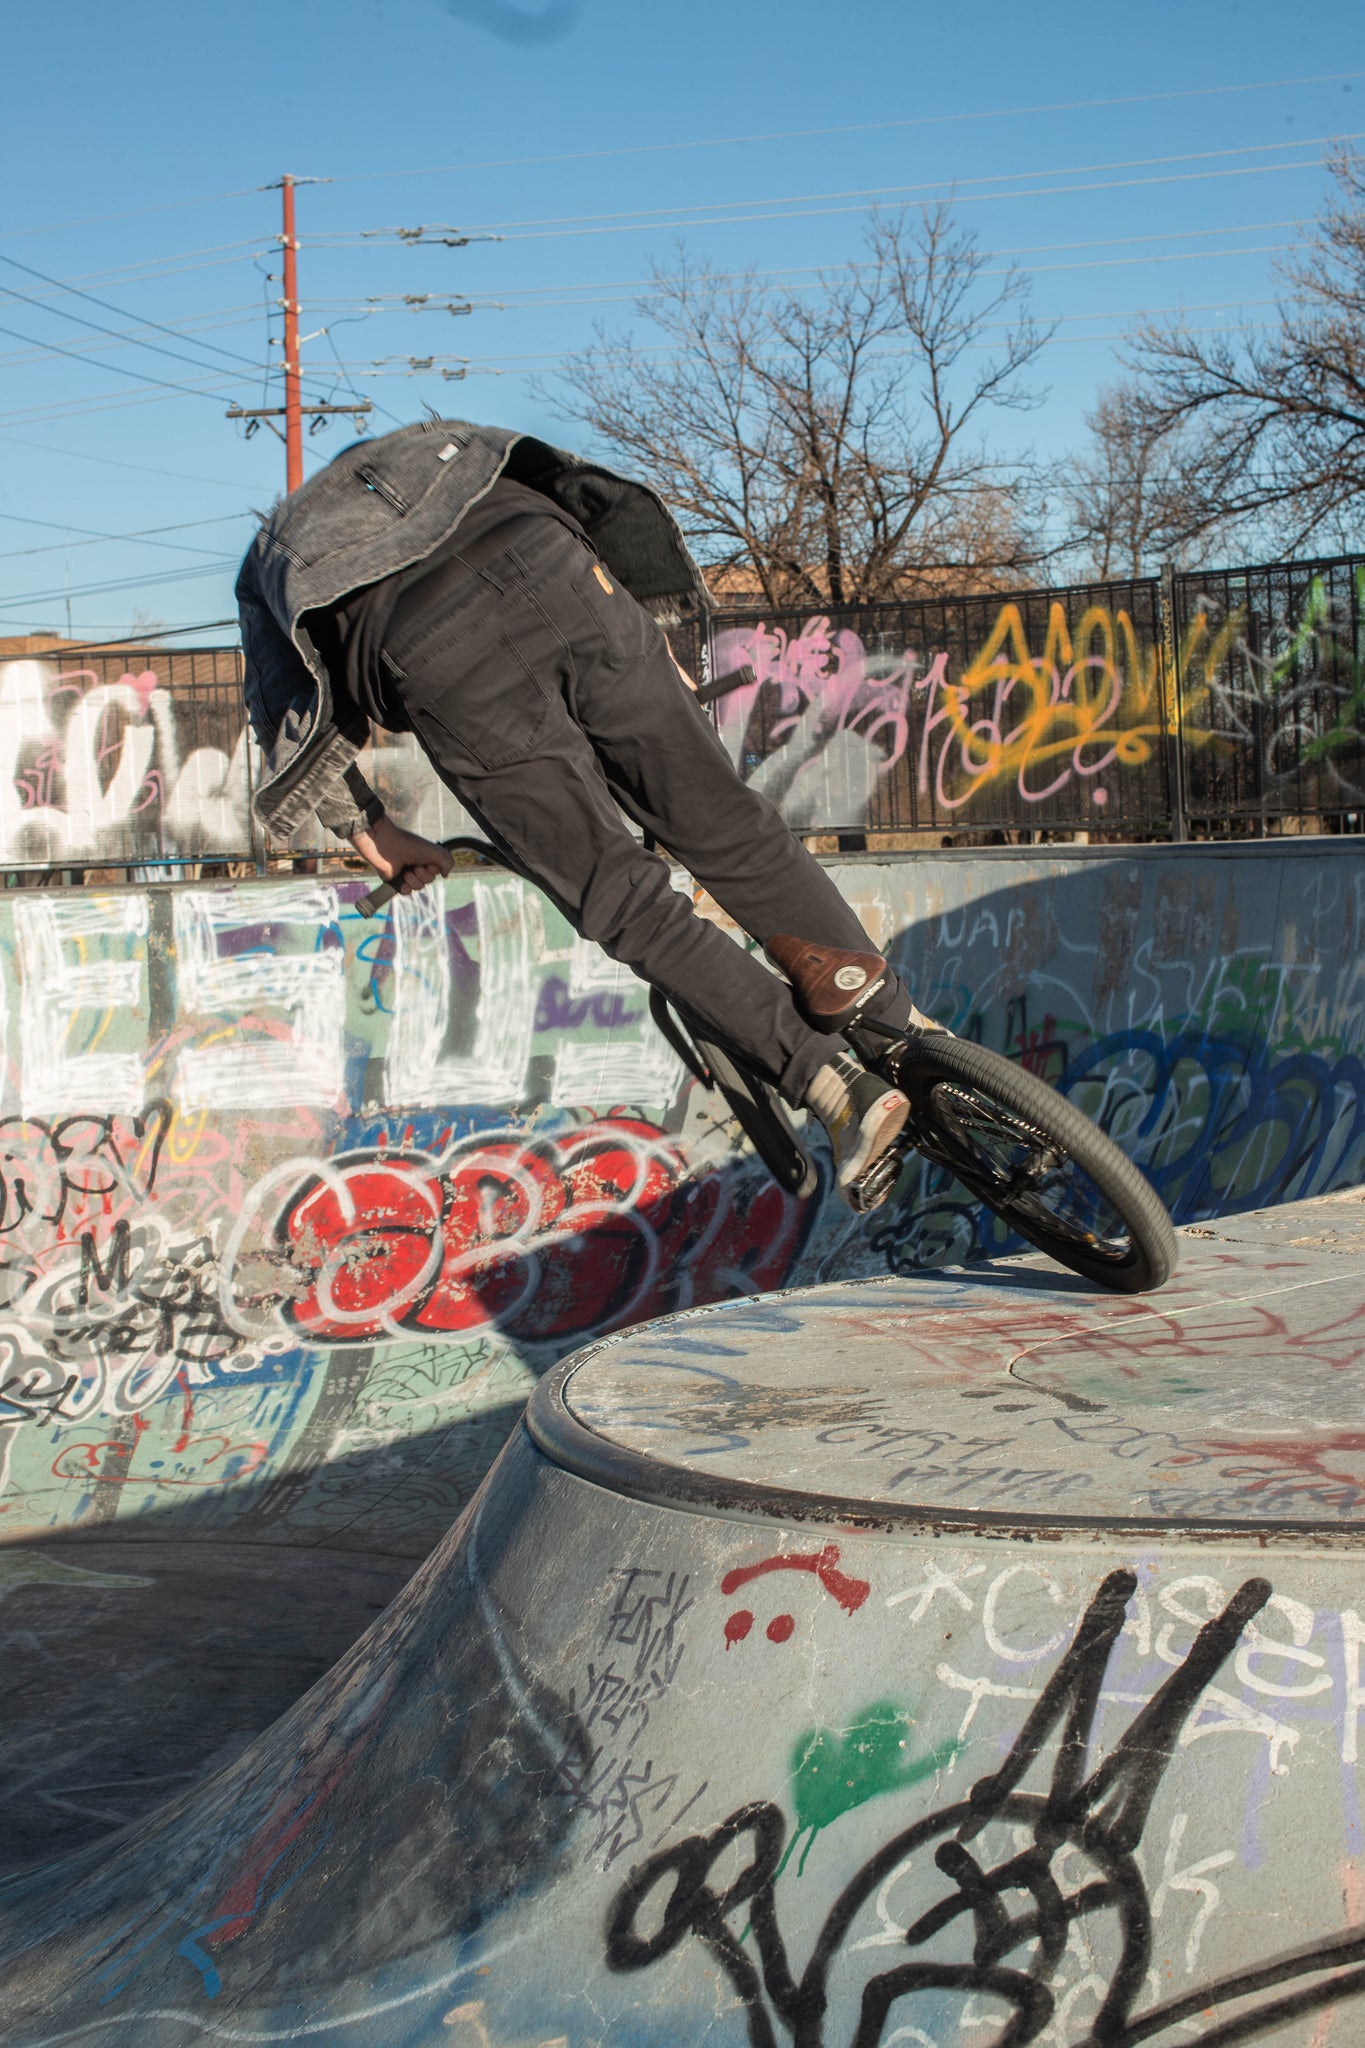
{"points": [[371, 904], [382, 893]]}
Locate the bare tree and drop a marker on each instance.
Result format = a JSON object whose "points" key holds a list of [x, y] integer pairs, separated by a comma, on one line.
{"points": [[1135, 496], [825, 446], [1274, 422]]}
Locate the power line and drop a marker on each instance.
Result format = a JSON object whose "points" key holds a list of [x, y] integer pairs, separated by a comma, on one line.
{"points": [[715, 142], [158, 577], [101, 401], [92, 537], [113, 462], [525, 364], [124, 271], [854, 128], [94, 220], [638, 287], [1044, 319], [660, 215], [1038, 270], [96, 350], [119, 369], [137, 639], [230, 355], [1030, 270], [968, 199]]}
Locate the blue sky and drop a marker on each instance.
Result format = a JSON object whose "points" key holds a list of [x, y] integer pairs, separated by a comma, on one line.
{"points": [[1128, 159]]}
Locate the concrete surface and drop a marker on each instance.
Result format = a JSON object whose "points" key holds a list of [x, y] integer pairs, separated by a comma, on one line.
{"points": [[297, 1208], [959, 1658]]}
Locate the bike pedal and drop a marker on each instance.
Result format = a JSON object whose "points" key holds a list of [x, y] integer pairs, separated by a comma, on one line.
{"points": [[871, 1189]]}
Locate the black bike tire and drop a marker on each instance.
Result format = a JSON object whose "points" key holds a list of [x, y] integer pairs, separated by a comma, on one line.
{"points": [[930, 1059]]}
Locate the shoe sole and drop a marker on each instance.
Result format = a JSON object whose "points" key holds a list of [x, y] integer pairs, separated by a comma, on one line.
{"points": [[875, 1142]]}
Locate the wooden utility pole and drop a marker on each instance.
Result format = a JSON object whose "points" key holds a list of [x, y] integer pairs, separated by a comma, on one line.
{"points": [[293, 397], [293, 409]]}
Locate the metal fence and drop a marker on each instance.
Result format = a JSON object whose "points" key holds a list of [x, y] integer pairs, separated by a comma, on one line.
{"points": [[124, 759], [1272, 690], [1151, 706], [1047, 708], [1222, 700]]}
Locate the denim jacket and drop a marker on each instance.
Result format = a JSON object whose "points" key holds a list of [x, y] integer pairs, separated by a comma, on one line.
{"points": [[379, 507]]}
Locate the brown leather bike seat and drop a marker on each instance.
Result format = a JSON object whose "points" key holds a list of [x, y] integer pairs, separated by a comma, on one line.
{"points": [[830, 984]]}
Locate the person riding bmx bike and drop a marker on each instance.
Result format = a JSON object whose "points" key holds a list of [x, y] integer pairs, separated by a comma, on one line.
{"points": [[505, 602]]}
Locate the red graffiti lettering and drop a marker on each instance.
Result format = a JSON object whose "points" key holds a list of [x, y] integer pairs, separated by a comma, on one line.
{"points": [[547, 1238]]}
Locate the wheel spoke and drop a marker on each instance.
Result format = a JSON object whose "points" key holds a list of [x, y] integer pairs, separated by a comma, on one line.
{"points": [[1020, 1172]]}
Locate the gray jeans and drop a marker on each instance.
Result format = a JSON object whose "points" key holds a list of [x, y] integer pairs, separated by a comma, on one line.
{"points": [[546, 698]]}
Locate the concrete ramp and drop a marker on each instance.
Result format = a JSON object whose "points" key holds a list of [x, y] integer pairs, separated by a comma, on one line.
{"points": [[961, 1661]]}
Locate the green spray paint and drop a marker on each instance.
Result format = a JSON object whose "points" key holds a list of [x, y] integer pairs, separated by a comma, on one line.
{"points": [[835, 1770], [1316, 637]]}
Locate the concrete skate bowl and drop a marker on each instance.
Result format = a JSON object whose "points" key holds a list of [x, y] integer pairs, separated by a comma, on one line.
{"points": [[959, 1659], [298, 1210]]}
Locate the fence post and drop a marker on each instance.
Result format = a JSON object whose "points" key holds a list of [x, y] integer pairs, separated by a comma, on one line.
{"points": [[254, 832], [1171, 706]]}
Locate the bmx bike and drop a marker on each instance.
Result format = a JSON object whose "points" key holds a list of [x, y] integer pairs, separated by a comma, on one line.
{"points": [[1017, 1146]]}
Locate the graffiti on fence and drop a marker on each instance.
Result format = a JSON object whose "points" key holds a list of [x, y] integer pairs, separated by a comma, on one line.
{"points": [[1087, 706], [842, 718], [1049, 709], [1021, 724], [1274, 689], [1058, 711], [95, 768]]}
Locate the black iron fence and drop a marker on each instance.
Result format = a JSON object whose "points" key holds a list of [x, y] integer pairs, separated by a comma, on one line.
{"points": [[1272, 690], [124, 757], [1151, 706], [1225, 699]]}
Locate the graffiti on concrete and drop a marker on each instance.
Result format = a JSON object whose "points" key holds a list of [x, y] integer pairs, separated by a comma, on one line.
{"points": [[1234, 1076], [288, 1197], [544, 1240], [983, 1791], [1029, 1858], [823, 1565], [607, 1771], [540, 1242]]}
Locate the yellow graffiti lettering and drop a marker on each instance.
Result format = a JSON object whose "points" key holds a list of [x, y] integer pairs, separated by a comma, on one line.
{"points": [[1092, 697]]}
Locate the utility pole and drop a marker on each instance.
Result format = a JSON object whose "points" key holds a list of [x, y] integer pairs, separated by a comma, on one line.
{"points": [[293, 398], [293, 409]]}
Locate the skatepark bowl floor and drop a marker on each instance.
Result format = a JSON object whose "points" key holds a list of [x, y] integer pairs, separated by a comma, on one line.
{"points": [[966, 1657]]}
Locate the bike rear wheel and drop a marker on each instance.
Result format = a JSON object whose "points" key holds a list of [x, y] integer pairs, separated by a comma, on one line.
{"points": [[1034, 1159]]}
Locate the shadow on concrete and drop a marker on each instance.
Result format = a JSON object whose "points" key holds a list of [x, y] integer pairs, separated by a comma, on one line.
{"points": [[134, 1663]]}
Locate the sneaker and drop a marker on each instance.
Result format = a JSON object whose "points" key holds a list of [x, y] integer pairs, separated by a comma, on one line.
{"points": [[863, 1116]]}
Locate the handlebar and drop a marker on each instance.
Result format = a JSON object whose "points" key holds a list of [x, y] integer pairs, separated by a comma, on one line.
{"points": [[372, 903]]}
